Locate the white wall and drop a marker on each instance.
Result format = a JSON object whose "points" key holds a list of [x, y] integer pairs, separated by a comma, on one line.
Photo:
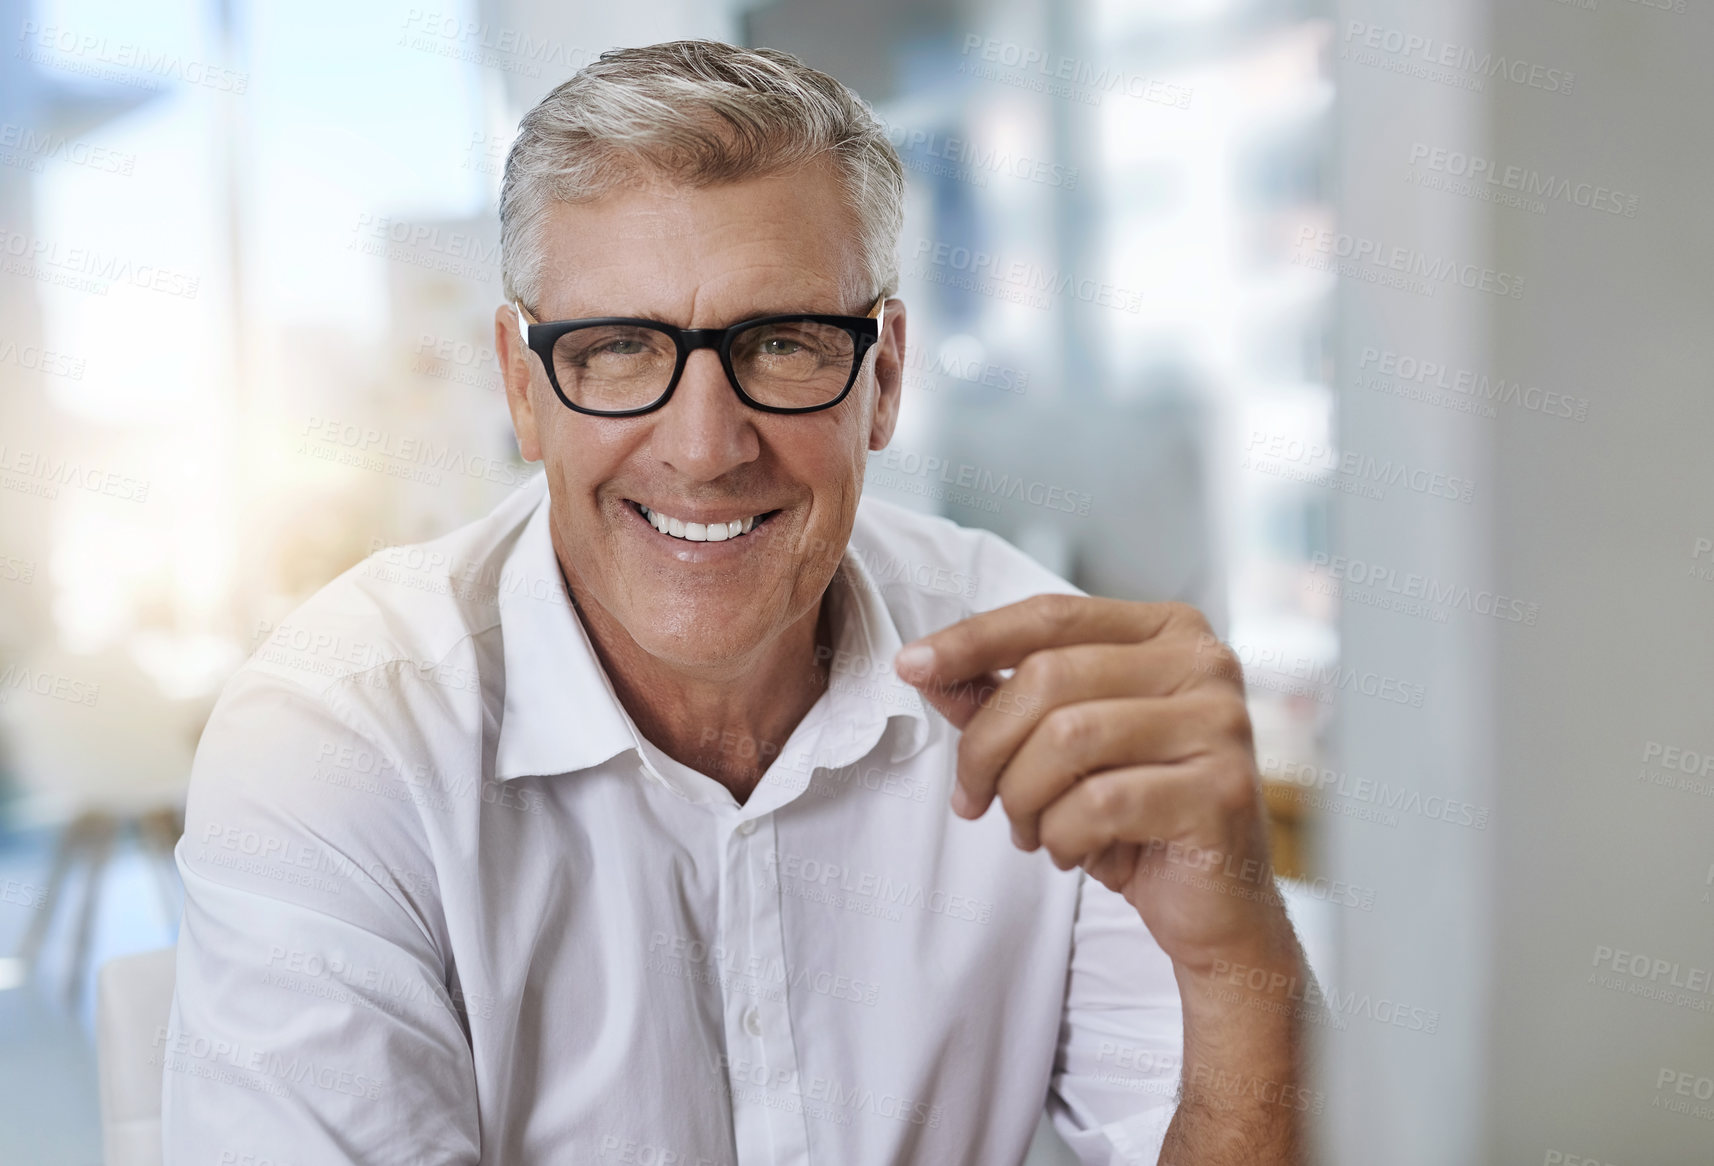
{"points": [[1594, 521], [1407, 1097]]}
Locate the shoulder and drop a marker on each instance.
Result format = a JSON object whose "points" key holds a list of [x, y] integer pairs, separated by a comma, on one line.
{"points": [[931, 571], [404, 609]]}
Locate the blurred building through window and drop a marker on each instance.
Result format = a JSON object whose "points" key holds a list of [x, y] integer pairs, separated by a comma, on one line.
{"points": [[1114, 360]]}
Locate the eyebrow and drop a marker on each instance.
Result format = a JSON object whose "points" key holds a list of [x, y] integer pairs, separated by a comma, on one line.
{"points": [[752, 313]]}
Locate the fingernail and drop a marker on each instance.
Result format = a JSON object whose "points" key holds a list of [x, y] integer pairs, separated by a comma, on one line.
{"points": [[961, 803], [915, 659]]}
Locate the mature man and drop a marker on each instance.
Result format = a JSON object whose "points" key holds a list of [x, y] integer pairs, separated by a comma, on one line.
{"points": [[615, 825]]}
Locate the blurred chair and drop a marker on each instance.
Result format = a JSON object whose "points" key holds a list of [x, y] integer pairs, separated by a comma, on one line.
{"points": [[134, 998], [98, 748]]}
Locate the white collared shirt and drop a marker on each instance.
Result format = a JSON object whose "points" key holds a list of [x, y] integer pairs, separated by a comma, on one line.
{"points": [[445, 904]]}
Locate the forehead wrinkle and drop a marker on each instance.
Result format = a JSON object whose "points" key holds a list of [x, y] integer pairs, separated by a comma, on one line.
{"points": [[717, 241]]}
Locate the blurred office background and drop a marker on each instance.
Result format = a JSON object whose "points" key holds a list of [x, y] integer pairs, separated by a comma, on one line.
{"points": [[1377, 330]]}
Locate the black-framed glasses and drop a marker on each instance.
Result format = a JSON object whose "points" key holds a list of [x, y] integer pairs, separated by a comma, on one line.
{"points": [[617, 366]]}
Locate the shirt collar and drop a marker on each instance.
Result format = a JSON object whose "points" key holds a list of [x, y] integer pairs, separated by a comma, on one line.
{"points": [[561, 714]]}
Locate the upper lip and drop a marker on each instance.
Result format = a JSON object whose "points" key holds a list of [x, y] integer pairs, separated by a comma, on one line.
{"points": [[689, 513]]}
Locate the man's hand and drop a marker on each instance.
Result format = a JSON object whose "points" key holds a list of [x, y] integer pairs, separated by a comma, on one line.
{"points": [[1121, 744]]}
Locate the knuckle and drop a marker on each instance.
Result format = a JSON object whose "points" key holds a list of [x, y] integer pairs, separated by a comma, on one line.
{"points": [[1186, 615], [1234, 787], [1055, 611], [1217, 659], [1227, 717], [1107, 799], [969, 761], [1070, 730], [1041, 672]]}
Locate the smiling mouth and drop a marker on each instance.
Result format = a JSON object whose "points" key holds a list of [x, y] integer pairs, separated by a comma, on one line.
{"points": [[700, 532]]}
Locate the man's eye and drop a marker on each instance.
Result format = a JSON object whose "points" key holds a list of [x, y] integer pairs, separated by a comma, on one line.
{"points": [[779, 346], [620, 348]]}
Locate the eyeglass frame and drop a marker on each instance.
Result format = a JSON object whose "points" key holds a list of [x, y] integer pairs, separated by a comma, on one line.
{"points": [[541, 336]]}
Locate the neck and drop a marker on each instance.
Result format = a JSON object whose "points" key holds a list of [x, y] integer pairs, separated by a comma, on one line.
{"points": [[729, 723]]}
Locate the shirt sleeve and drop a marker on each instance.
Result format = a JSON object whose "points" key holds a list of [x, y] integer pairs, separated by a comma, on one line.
{"points": [[312, 1019], [1121, 1045]]}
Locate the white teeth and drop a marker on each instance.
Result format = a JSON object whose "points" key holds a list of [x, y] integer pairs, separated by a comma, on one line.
{"points": [[697, 532]]}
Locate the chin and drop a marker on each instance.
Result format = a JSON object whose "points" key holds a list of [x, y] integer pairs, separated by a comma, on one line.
{"points": [[697, 632]]}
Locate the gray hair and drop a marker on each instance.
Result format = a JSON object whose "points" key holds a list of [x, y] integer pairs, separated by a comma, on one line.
{"points": [[696, 112]]}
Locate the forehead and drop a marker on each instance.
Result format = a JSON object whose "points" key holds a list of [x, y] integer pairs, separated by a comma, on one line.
{"points": [[781, 242]]}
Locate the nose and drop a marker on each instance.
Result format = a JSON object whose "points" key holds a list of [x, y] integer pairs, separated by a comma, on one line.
{"points": [[705, 431]]}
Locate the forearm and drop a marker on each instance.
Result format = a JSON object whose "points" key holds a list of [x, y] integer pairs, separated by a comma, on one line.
{"points": [[1243, 1096]]}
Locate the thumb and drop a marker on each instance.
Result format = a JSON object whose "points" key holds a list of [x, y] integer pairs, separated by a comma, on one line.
{"points": [[956, 701]]}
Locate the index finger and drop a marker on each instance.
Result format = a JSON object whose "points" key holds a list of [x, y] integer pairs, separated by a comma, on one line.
{"points": [[993, 640]]}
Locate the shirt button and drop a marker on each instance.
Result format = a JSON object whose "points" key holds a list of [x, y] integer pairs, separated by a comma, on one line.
{"points": [[747, 827], [753, 1022]]}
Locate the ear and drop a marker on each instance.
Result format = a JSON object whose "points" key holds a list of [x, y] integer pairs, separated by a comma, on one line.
{"points": [[889, 374], [515, 361]]}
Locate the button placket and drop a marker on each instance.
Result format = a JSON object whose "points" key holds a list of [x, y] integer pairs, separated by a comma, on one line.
{"points": [[763, 1070]]}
